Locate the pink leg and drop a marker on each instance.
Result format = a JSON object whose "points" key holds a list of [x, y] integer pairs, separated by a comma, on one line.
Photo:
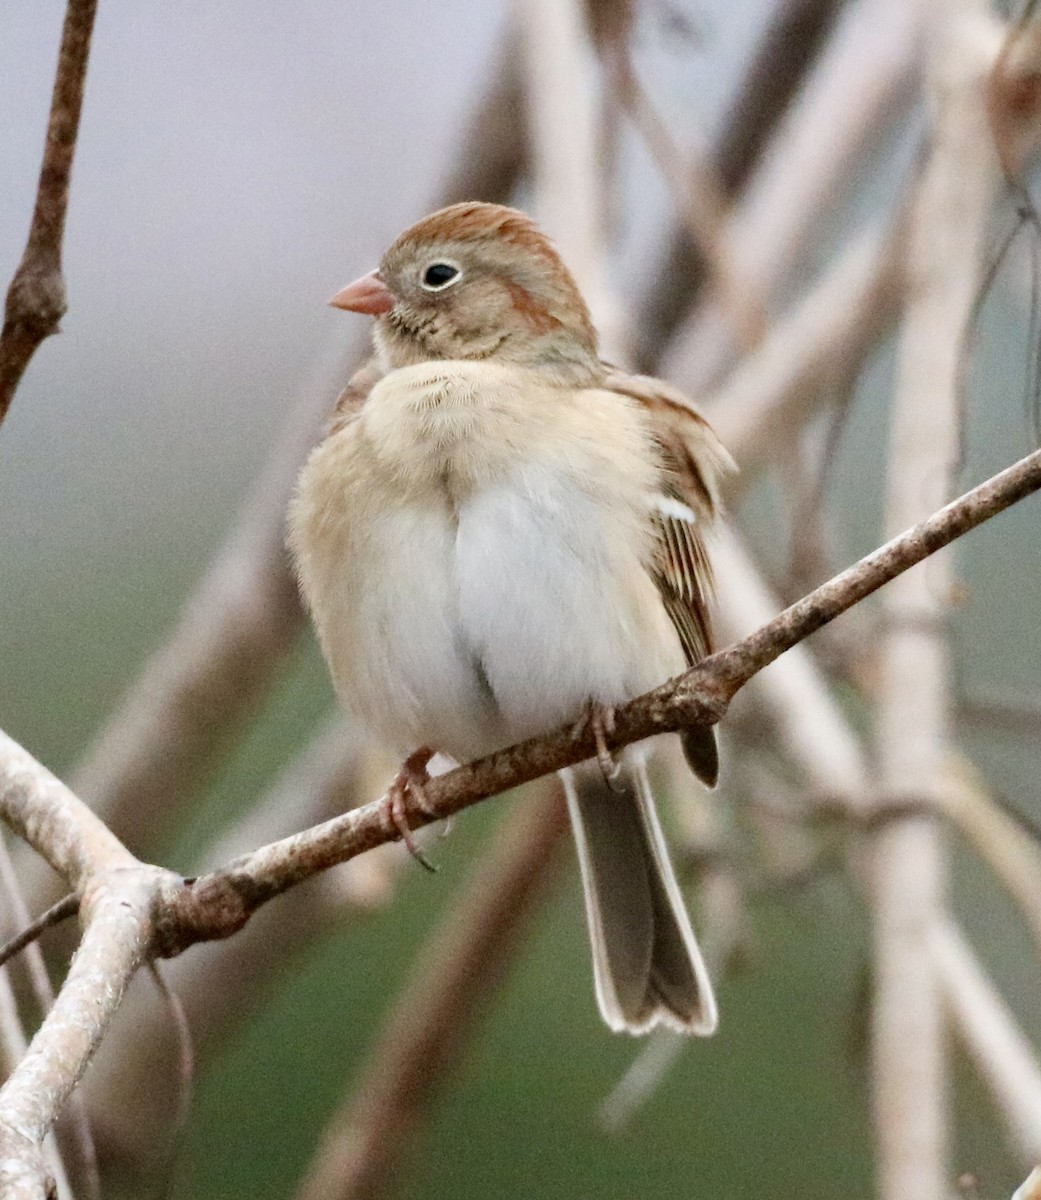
{"points": [[408, 786], [601, 722]]}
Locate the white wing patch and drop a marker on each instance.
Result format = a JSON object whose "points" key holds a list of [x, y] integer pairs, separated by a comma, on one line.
{"points": [[676, 510]]}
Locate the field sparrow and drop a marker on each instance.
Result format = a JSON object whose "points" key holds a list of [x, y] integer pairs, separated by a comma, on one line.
{"points": [[501, 533]]}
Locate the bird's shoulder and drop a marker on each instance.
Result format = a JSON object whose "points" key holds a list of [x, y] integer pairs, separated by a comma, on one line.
{"points": [[695, 460]]}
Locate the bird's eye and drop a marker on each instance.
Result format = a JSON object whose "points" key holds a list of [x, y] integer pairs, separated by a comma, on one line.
{"points": [[439, 275]]}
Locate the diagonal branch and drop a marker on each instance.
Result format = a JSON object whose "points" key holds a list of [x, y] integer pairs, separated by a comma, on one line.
{"points": [[36, 297], [220, 902]]}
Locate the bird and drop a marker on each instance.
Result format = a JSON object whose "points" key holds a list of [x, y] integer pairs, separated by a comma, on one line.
{"points": [[501, 533]]}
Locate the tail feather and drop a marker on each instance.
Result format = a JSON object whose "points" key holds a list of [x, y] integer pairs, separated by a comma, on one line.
{"points": [[646, 962], [702, 755]]}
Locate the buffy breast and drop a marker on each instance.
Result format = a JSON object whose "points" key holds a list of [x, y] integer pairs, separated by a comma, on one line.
{"points": [[486, 600]]}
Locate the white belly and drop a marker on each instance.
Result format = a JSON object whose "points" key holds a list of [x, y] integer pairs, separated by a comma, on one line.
{"points": [[557, 612], [471, 630]]}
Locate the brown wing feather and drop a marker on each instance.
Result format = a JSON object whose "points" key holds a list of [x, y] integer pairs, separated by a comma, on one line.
{"points": [[694, 463]]}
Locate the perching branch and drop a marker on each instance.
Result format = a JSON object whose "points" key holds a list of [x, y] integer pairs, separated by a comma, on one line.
{"points": [[79, 846], [36, 297], [220, 902]]}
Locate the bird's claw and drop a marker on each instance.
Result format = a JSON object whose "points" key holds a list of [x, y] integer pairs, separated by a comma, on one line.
{"points": [[408, 786], [601, 722]]}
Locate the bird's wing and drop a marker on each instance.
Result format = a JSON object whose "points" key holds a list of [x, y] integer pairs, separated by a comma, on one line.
{"points": [[695, 463], [354, 395]]}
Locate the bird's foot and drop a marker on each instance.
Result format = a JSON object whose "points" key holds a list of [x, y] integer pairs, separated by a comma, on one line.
{"points": [[601, 722], [407, 790]]}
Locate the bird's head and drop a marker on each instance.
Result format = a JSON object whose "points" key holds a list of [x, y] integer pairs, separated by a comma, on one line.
{"points": [[476, 281]]}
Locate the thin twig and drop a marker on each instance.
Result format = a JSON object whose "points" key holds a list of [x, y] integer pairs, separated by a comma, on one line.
{"points": [[185, 1079], [66, 907], [36, 298], [220, 902]]}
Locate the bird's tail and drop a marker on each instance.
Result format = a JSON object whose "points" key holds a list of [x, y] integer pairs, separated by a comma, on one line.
{"points": [[646, 962]]}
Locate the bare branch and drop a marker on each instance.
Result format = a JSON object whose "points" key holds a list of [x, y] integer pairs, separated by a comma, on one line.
{"points": [[220, 902], [1003, 1056], [958, 184], [36, 297], [787, 52], [862, 77], [76, 843]]}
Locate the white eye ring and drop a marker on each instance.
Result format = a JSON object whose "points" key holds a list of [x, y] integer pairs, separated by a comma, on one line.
{"points": [[440, 274]]}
